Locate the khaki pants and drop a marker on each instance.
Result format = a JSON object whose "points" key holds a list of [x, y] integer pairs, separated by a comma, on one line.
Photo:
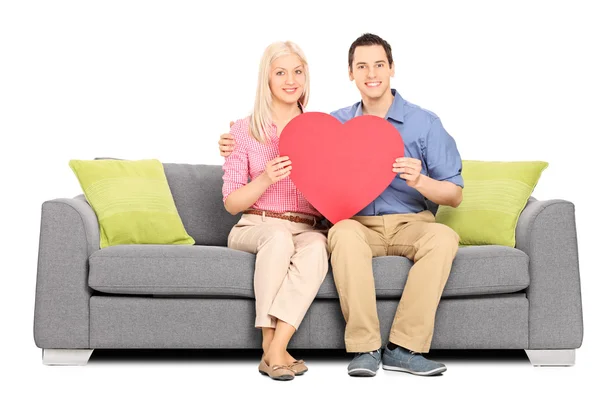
{"points": [[354, 242], [291, 264]]}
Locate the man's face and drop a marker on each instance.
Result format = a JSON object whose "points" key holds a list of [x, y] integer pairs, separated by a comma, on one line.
{"points": [[371, 71]]}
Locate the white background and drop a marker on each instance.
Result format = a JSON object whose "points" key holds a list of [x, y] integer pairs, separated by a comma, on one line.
{"points": [[152, 79]]}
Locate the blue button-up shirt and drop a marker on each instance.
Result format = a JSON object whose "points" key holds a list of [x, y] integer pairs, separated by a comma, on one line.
{"points": [[424, 138]]}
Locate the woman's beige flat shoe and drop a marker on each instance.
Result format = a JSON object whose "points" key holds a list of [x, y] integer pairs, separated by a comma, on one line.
{"points": [[277, 372], [298, 367]]}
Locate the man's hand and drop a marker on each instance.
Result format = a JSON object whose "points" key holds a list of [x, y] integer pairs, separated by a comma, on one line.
{"points": [[277, 169], [408, 169], [226, 143]]}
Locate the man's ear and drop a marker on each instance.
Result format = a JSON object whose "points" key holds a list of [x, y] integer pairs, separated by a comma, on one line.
{"points": [[393, 69], [350, 74]]}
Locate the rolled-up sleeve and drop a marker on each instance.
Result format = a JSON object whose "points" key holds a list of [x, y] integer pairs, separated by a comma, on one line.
{"points": [[442, 156], [235, 167]]}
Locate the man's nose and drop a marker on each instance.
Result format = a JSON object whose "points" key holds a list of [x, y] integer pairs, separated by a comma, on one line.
{"points": [[371, 73]]}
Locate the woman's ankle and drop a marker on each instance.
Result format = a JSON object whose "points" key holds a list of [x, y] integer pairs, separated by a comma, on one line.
{"points": [[265, 347], [279, 355]]}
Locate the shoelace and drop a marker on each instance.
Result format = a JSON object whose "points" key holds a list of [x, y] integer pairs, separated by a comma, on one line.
{"points": [[371, 353]]}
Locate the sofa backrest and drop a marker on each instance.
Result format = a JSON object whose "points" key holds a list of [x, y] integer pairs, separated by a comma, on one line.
{"points": [[197, 191]]}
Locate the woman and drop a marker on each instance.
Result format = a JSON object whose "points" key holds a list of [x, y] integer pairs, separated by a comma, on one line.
{"points": [[278, 224]]}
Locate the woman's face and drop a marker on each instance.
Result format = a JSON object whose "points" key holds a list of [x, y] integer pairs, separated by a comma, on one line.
{"points": [[287, 79]]}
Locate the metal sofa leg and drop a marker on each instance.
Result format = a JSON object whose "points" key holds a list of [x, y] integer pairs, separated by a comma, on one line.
{"points": [[66, 356], [551, 358]]}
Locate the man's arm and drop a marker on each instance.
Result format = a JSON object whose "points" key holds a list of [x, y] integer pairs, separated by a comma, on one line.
{"points": [[226, 143], [443, 182], [440, 192]]}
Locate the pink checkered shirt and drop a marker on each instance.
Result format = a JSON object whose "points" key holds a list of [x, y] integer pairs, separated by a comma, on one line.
{"points": [[249, 159]]}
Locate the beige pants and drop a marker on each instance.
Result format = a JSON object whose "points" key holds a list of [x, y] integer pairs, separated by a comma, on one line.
{"points": [[291, 264], [354, 242]]}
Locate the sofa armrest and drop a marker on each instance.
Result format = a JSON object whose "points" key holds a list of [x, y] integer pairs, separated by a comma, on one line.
{"points": [[69, 234], [546, 232]]}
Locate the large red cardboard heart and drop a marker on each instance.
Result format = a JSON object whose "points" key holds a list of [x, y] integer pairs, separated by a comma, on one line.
{"points": [[340, 168]]}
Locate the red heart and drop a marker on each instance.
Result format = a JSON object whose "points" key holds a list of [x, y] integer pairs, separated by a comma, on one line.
{"points": [[340, 168]]}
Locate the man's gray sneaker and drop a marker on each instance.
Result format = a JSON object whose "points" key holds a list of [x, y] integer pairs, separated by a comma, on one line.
{"points": [[365, 364], [401, 359]]}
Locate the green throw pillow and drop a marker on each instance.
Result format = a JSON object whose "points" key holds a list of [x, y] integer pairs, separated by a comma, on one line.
{"points": [[494, 196], [132, 200]]}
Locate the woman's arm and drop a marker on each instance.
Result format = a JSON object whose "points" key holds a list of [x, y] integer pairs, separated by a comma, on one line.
{"points": [[238, 193], [242, 198]]}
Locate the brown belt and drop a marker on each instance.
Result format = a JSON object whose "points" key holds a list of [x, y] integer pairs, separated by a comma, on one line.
{"points": [[293, 218]]}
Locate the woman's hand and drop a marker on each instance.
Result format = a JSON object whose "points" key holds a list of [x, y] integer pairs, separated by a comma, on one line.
{"points": [[277, 169]]}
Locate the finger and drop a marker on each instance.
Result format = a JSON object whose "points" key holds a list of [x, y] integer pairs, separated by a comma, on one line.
{"points": [[408, 161], [283, 176], [231, 123], [282, 170], [283, 164]]}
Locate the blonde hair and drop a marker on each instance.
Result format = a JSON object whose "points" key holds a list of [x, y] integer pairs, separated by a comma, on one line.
{"points": [[262, 117]]}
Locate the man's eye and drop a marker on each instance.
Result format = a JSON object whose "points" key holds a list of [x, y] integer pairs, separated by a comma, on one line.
{"points": [[361, 66], [380, 65]]}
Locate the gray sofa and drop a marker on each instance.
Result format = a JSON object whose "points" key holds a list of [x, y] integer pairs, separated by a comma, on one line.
{"points": [[201, 296]]}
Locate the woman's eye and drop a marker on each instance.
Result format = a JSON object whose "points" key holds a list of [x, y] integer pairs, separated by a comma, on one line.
{"points": [[280, 73], [299, 71]]}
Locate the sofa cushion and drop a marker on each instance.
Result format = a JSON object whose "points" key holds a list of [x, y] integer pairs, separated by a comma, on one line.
{"points": [[132, 202], [495, 194], [172, 270], [220, 271]]}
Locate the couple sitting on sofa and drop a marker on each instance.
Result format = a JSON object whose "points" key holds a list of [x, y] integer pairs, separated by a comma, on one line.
{"points": [[292, 248]]}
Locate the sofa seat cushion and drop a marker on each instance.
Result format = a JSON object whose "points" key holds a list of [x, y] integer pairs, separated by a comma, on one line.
{"points": [[216, 271], [476, 270]]}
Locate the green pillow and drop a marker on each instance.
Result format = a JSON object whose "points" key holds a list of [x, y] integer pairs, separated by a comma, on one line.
{"points": [[494, 196], [132, 200]]}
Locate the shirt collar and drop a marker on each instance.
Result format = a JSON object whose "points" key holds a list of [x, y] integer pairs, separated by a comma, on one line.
{"points": [[273, 132], [396, 111]]}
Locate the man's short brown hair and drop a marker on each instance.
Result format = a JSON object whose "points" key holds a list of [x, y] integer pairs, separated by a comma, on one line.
{"points": [[369, 39]]}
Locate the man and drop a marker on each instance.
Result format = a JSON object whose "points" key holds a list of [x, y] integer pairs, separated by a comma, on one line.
{"points": [[397, 222]]}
